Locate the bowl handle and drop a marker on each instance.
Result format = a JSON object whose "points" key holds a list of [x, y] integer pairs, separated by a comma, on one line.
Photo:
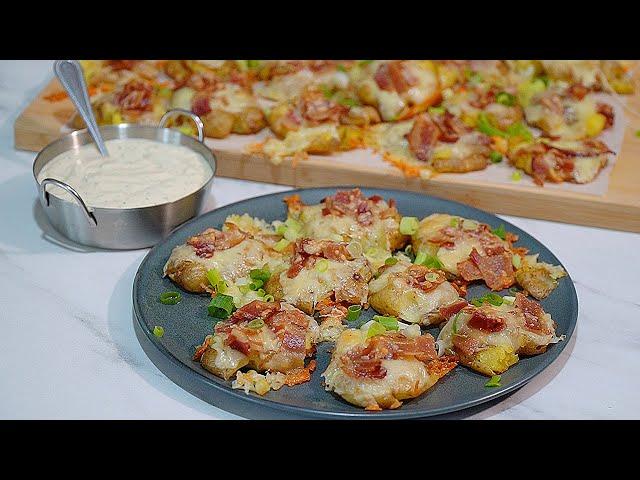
{"points": [[176, 112], [65, 186]]}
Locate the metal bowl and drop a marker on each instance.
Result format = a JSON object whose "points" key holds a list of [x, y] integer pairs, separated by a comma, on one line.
{"points": [[121, 228]]}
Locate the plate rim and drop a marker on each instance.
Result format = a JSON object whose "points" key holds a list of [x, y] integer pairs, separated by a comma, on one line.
{"points": [[318, 413]]}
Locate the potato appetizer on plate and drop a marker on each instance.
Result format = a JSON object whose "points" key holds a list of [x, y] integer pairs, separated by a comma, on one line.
{"points": [[323, 276], [471, 250], [265, 336], [243, 244], [489, 336], [413, 293], [380, 365], [370, 225]]}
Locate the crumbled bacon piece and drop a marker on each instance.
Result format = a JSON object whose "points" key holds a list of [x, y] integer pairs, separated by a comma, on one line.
{"points": [[211, 240], [395, 76], [134, 95], [200, 105], [449, 310], [308, 251], [481, 320]]}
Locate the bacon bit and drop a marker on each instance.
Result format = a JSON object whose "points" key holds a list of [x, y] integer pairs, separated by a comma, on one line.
{"points": [[469, 271], [532, 311], [207, 242], [201, 349], [307, 251], [201, 105], [315, 107], [354, 204], [460, 284], [465, 346], [135, 95], [253, 310], [480, 320], [56, 96], [240, 345], [395, 76], [497, 270], [300, 375], [578, 91], [417, 278], [423, 137], [441, 366], [606, 110], [449, 310]]}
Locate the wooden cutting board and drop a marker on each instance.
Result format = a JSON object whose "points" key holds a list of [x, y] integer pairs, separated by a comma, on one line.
{"points": [[41, 122]]}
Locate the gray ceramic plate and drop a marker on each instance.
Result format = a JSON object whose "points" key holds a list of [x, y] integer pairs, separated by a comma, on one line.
{"points": [[187, 323]]}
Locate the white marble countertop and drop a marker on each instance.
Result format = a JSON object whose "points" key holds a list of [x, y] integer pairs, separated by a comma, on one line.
{"points": [[68, 350]]}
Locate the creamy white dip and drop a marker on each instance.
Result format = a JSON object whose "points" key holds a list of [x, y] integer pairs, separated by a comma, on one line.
{"points": [[137, 173]]}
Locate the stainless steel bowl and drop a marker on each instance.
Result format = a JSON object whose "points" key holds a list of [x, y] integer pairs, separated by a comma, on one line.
{"points": [[121, 228]]}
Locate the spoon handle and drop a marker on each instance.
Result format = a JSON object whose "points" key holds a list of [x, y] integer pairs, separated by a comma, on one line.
{"points": [[69, 72]]}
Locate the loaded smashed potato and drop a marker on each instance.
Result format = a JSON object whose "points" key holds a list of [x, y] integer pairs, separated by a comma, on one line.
{"points": [[423, 116], [278, 289]]}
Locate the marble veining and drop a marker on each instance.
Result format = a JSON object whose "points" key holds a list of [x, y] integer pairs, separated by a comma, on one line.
{"points": [[68, 349]]}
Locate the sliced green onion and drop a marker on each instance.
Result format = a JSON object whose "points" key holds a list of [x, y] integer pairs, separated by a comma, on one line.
{"points": [[322, 265], [455, 221], [500, 232], [375, 329], [509, 300], [495, 157], [261, 292], [490, 298], [505, 98], [519, 130], [170, 298], [494, 381], [158, 331], [516, 260], [256, 323], [221, 306], [469, 225], [353, 312], [436, 110], [431, 277], [363, 63], [291, 234], [545, 80], [389, 323], [513, 290], [516, 176], [341, 68], [408, 251], [269, 298], [472, 76], [326, 91], [281, 229], [253, 63], [484, 125], [430, 261], [281, 245], [244, 289], [256, 284], [454, 327], [260, 274], [638, 133], [348, 102], [391, 261], [408, 225]]}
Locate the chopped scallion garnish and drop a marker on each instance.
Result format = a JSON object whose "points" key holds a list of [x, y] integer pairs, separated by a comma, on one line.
{"points": [[391, 261], [408, 225], [170, 298], [500, 232], [256, 323], [158, 331], [260, 274], [353, 312], [494, 381], [281, 245], [322, 265], [221, 306], [495, 157], [389, 323], [505, 98], [375, 329]]}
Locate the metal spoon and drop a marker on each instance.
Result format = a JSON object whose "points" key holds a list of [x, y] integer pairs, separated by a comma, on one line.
{"points": [[69, 72]]}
